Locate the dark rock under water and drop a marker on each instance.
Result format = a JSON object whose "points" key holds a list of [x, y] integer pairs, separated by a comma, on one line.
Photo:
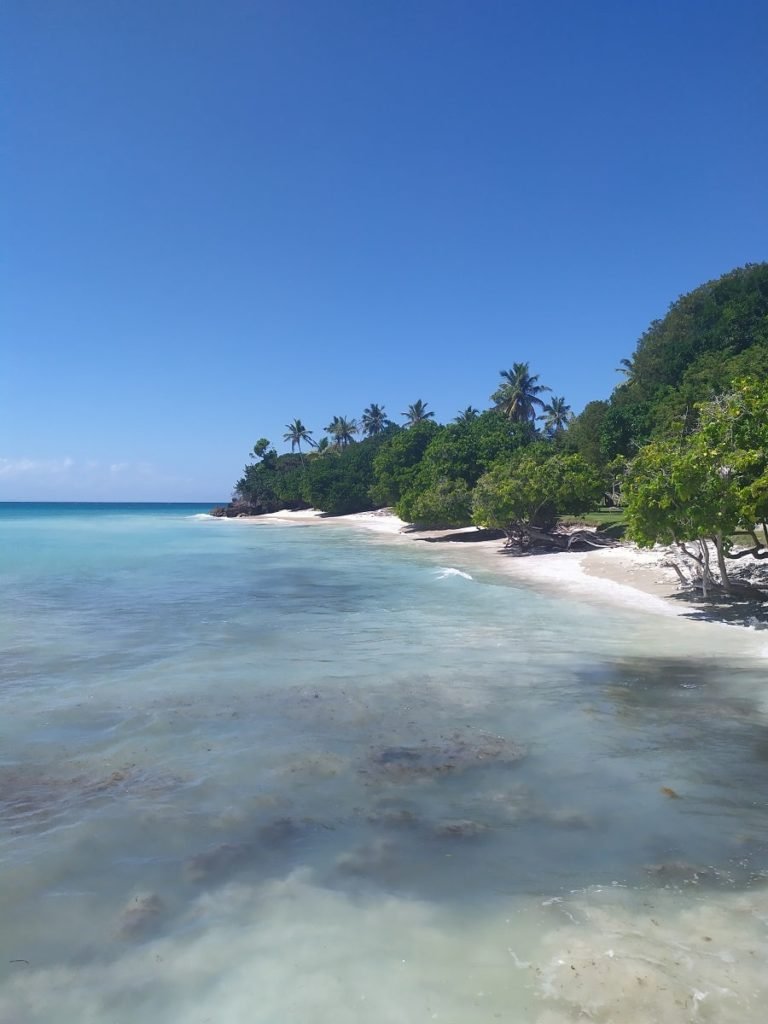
{"points": [[452, 755]]}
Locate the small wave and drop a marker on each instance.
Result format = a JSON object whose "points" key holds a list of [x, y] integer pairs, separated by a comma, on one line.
{"points": [[446, 571], [201, 515]]}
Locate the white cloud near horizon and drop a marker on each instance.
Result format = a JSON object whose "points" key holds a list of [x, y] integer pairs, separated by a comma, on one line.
{"points": [[68, 479], [16, 468]]}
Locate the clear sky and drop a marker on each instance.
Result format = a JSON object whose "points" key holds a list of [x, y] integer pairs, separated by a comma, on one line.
{"points": [[218, 215]]}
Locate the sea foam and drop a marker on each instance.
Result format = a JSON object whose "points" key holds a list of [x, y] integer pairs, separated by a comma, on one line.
{"points": [[445, 572]]}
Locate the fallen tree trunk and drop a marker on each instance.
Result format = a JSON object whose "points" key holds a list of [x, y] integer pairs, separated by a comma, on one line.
{"points": [[526, 537]]}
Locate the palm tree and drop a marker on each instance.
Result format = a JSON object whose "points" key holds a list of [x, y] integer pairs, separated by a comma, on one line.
{"points": [[628, 368], [558, 416], [341, 430], [417, 413], [467, 415], [296, 433], [374, 420], [518, 395]]}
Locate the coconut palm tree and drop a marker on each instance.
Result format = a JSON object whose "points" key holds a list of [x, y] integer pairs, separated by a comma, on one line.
{"points": [[557, 416], [341, 430], [518, 395], [296, 433], [467, 415], [628, 368], [374, 420], [417, 413]]}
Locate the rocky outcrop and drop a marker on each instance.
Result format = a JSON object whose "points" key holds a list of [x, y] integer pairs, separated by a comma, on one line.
{"points": [[236, 509], [239, 509]]}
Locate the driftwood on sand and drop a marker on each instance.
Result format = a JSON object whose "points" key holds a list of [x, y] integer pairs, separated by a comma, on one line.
{"points": [[530, 538], [526, 538]]}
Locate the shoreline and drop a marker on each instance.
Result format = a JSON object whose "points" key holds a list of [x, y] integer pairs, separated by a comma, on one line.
{"points": [[625, 575]]}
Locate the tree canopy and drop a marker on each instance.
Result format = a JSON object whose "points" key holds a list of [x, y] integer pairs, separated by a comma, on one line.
{"points": [[296, 432], [417, 413], [342, 430], [374, 420], [517, 397], [710, 337], [532, 489], [707, 484]]}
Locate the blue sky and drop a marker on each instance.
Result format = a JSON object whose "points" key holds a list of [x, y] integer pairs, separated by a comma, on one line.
{"points": [[218, 216]]}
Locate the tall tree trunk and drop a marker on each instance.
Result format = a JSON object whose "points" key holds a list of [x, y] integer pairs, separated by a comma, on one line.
{"points": [[705, 577], [698, 560], [726, 583]]}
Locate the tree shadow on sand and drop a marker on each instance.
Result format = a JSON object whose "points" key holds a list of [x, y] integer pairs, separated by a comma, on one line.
{"points": [[736, 610]]}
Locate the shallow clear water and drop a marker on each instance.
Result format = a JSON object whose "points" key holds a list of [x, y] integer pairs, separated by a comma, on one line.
{"points": [[257, 772]]}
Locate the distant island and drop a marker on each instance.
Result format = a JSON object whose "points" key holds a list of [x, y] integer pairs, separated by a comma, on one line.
{"points": [[677, 455]]}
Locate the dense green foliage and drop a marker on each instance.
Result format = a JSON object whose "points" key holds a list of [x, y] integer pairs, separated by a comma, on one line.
{"points": [[457, 454], [340, 481], [273, 483], [397, 464], [706, 484], [441, 505], [683, 441], [710, 337], [532, 489]]}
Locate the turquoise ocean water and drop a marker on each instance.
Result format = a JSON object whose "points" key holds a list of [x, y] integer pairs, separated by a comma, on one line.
{"points": [[272, 773]]}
